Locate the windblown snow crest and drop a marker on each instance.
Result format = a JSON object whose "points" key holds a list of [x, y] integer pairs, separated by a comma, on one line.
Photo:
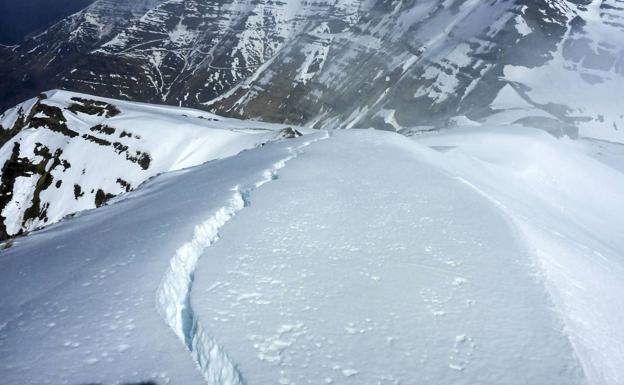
{"points": [[173, 298]]}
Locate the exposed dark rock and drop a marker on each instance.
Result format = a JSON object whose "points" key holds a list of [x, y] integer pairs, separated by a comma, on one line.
{"points": [[120, 148], [93, 107], [52, 118], [101, 197], [103, 129], [78, 191], [289, 133], [124, 184], [16, 167], [141, 158], [96, 140], [11, 170]]}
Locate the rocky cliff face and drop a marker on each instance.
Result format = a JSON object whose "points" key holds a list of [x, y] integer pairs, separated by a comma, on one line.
{"points": [[552, 64], [390, 64]]}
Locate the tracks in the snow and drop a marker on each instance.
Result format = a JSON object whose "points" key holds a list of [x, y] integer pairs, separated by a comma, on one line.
{"points": [[173, 295]]}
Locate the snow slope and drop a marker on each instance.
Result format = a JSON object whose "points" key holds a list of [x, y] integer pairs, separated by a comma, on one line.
{"points": [[73, 152], [78, 299], [378, 271], [362, 257], [565, 197]]}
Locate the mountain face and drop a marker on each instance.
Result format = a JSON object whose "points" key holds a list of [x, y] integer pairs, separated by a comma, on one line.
{"points": [[65, 152], [389, 64]]}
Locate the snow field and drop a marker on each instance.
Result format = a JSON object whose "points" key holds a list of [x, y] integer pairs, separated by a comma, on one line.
{"points": [[564, 196], [488, 255], [364, 263], [173, 296], [78, 298]]}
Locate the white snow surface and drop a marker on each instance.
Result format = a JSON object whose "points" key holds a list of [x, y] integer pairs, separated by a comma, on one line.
{"points": [[174, 138], [565, 197], [377, 271], [480, 256], [79, 299]]}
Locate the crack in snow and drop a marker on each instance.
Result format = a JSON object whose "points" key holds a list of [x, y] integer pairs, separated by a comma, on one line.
{"points": [[173, 297]]}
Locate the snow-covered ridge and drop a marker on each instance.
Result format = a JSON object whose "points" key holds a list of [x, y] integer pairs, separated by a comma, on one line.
{"points": [[373, 258], [173, 297], [64, 152], [564, 196], [120, 338]]}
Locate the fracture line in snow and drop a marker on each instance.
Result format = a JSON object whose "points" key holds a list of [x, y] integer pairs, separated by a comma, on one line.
{"points": [[173, 294]]}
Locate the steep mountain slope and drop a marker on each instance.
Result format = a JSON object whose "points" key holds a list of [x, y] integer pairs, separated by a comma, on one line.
{"points": [[65, 152], [392, 64], [40, 62], [194, 51], [533, 63]]}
